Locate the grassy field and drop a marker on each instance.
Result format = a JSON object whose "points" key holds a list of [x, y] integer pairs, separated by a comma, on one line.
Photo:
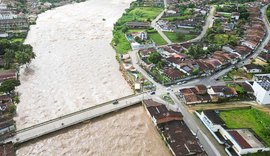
{"points": [[152, 34], [157, 38], [144, 13], [174, 18], [179, 37], [259, 154], [252, 118], [119, 41], [240, 74], [222, 39]]}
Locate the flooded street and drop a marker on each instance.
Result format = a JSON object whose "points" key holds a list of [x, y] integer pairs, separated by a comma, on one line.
{"points": [[76, 68]]}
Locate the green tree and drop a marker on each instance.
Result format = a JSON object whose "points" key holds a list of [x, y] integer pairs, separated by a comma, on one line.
{"points": [[24, 57], [154, 57], [9, 57], [12, 109], [9, 85], [196, 71], [213, 48], [196, 51]]}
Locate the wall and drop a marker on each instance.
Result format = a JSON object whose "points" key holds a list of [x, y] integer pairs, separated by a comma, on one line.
{"points": [[262, 96]]}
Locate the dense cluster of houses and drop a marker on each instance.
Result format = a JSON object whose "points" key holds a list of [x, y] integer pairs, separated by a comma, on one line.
{"points": [[7, 125], [202, 94], [196, 20], [265, 55], [11, 21], [180, 140], [237, 141], [132, 76], [181, 67]]}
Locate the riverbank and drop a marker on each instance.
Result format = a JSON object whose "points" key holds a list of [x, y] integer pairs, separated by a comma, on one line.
{"points": [[75, 68], [127, 132]]}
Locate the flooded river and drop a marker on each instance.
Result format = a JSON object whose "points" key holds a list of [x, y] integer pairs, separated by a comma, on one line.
{"points": [[127, 133], [75, 65], [76, 68]]}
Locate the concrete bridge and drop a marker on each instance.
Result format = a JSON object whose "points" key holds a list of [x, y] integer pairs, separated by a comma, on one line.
{"points": [[65, 121]]}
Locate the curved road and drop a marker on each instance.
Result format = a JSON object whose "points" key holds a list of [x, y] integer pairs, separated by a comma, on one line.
{"points": [[209, 143]]}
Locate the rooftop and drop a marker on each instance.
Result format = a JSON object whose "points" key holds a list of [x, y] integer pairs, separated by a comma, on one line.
{"points": [[253, 66], [161, 113], [180, 138], [7, 150], [263, 81], [214, 117], [239, 139]]}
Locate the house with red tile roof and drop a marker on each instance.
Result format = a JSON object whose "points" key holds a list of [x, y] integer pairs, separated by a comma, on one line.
{"points": [[243, 51], [173, 73], [222, 91], [7, 75], [265, 57]]}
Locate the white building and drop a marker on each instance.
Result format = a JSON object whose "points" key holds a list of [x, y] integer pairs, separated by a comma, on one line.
{"points": [[237, 141], [261, 87]]}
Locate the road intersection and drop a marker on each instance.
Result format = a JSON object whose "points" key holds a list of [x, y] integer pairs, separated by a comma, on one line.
{"points": [[209, 143]]}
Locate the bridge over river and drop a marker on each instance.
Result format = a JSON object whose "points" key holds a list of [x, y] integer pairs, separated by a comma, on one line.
{"points": [[62, 122]]}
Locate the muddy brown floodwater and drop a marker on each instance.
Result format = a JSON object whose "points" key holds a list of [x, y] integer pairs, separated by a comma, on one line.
{"points": [[129, 132], [76, 68]]}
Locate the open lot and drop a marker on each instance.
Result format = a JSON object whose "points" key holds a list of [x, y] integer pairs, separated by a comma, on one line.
{"points": [[252, 118], [177, 37], [142, 14]]}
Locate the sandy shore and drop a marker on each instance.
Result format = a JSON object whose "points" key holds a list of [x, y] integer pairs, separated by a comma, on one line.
{"points": [[75, 65]]}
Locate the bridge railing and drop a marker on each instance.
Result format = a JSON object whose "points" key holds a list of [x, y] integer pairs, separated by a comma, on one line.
{"points": [[74, 123], [77, 112]]}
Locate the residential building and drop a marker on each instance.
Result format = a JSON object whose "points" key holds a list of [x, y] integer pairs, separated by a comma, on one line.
{"points": [[10, 24], [173, 74], [253, 68], [238, 141], [7, 74], [261, 87], [7, 149], [265, 57], [138, 24], [178, 137], [222, 91], [7, 126], [160, 114]]}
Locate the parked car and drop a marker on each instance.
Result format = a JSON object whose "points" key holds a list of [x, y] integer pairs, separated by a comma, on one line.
{"points": [[152, 93], [115, 102], [169, 89]]}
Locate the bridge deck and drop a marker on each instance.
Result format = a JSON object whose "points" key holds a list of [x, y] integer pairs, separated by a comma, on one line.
{"points": [[72, 119]]}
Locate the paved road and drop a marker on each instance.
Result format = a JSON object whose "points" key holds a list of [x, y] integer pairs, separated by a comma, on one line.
{"points": [[209, 22], [211, 80], [154, 24], [72, 119], [209, 143], [206, 139], [135, 62]]}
